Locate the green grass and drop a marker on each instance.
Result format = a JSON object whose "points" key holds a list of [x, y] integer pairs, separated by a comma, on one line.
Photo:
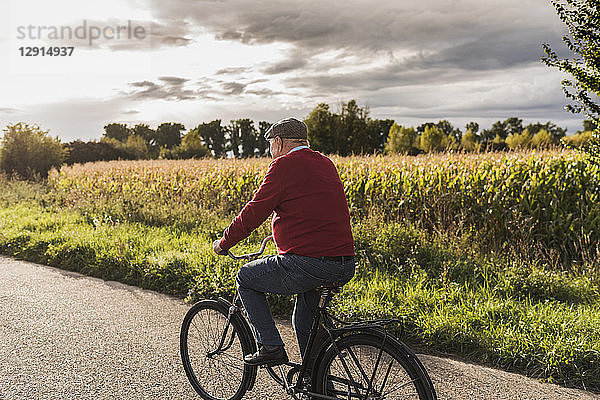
{"points": [[550, 339], [150, 257], [474, 308]]}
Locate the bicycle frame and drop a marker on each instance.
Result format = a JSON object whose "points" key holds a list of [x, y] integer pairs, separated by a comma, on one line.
{"points": [[323, 319], [327, 321]]}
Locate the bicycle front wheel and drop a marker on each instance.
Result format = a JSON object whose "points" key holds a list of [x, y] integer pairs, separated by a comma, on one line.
{"points": [[212, 347], [365, 366]]}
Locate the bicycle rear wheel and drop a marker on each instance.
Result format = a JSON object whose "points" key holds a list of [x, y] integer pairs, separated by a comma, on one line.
{"points": [[364, 366], [212, 349]]}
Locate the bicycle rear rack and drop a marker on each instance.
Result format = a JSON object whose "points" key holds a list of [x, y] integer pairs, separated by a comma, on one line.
{"points": [[366, 324]]}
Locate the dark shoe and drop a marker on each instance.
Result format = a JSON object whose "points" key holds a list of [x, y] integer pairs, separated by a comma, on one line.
{"points": [[269, 355]]}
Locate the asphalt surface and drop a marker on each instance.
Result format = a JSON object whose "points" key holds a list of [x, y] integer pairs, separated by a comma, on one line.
{"points": [[67, 336]]}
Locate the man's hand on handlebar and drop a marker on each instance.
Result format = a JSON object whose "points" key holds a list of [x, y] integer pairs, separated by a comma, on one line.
{"points": [[249, 256], [218, 249]]}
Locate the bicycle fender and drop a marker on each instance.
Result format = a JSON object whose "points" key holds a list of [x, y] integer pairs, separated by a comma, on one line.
{"points": [[389, 337], [243, 323], [328, 343], [321, 353], [381, 335]]}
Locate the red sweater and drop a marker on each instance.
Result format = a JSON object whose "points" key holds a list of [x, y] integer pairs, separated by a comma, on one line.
{"points": [[311, 213]]}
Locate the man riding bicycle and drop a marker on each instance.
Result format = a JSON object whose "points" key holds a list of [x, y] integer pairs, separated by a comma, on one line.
{"points": [[311, 230]]}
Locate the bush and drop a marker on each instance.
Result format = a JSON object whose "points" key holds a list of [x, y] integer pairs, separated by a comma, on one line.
{"points": [[401, 140], [134, 146], [579, 139], [468, 141], [519, 140], [497, 144], [191, 147], [432, 139], [542, 139], [28, 152], [82, 152]]}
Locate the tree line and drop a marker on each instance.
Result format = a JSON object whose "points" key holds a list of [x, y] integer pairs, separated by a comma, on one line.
{"points": [[351, 130], [27, 150], [503, 135], [240, 138]]}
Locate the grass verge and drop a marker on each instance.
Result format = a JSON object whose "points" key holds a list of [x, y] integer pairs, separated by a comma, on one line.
{"points": [[518, 317]]}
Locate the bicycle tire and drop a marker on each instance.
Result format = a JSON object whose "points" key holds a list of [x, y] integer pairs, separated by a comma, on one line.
{"points": [[399, 374], [222, 376]]}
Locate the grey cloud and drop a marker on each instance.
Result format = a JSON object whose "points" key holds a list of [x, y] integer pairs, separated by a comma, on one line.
{"points": [[386, 25], [173, 80], [130, 112], [172, 89], [488, 52], [469, 35], [143, 84], [464, 62], [238, 88], [263, 92], [233, 70], [388, 76], [231, 35], [9, 110], [206, 82], [295, 60], [170, 33], [234, 88]]}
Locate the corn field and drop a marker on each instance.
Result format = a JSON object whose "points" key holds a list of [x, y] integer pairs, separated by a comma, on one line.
{"points": [[545, 204]]}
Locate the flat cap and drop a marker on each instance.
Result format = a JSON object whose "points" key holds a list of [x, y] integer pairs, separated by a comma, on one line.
{"points": [[287, 128]]}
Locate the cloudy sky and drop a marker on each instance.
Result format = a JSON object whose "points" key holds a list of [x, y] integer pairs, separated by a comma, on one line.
{"points": [[195, 61]]}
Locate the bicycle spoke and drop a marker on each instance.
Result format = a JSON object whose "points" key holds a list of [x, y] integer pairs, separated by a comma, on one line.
{"points": [[345, 381], [233, 357], [387, 374], [368, 370], [228, 364], [400, 387], [214, 354], [347, 370], [372, 380], [357, 363]]}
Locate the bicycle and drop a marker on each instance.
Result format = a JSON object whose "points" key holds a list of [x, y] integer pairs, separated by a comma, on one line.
{"points": [[349, 360]]}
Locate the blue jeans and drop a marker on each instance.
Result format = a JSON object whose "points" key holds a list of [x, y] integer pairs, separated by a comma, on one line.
{"points": [[287, 274]]}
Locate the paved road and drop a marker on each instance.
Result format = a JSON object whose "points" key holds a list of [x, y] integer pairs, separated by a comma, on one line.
{"points": [[68, 336]]}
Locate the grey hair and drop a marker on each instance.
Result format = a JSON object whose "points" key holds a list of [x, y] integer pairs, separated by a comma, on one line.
{"points": [[299, 141]]}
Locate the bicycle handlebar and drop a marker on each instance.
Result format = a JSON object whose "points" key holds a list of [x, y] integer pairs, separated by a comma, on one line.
{"points": [[250, 256]]}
